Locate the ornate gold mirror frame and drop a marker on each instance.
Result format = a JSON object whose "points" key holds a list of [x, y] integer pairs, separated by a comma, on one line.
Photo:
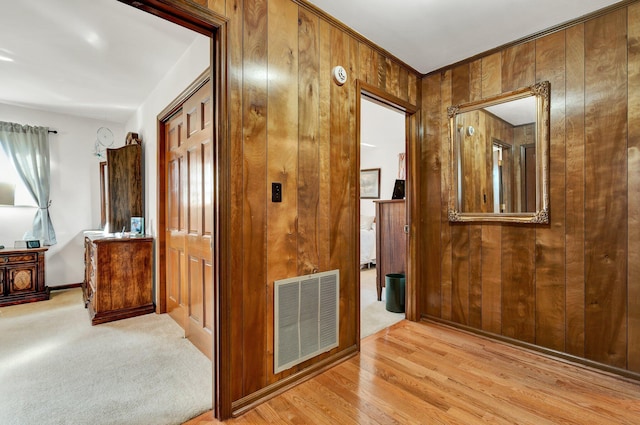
{"points": [[472, 188]]}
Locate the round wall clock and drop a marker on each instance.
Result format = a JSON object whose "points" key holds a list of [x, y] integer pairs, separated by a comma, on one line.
{"points": [[104, 140]]}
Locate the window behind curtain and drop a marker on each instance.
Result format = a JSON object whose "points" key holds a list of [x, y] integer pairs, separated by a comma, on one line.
{"points": [[9, 175]]}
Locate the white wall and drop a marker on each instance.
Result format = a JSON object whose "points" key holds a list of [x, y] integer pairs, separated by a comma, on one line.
{"points": [[75, 189], [145, 122], [384, 128]]}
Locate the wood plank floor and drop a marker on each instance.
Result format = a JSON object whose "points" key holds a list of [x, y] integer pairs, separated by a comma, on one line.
{"points": [[416, 373]]}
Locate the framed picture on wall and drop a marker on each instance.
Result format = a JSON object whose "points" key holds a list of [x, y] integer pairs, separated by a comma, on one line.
{"points": [[370, 183], [137, 226]]}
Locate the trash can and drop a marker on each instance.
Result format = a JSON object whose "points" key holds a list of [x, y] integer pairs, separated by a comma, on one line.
{"points": [[394, 284]]}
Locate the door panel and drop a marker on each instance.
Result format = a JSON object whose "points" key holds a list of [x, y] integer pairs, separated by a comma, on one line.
{"points": [[176, 302], [190, 218]]}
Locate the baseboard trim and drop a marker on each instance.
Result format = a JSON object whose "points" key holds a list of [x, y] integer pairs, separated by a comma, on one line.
{"points": [[592, 365], [67, 286], [247, 403]]}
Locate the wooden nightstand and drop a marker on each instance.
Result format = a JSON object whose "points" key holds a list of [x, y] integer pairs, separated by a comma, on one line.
{"points": [[22, 276]]}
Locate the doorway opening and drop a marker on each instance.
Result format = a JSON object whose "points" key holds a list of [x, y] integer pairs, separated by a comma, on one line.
{"points": [[383, 241], [205, 22]]}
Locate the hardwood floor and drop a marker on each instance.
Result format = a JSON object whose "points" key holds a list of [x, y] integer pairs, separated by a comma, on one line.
{"points": [[416, 373]]}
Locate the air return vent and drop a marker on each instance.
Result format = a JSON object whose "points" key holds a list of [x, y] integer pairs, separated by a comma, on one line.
{"points": [[306, 317]]}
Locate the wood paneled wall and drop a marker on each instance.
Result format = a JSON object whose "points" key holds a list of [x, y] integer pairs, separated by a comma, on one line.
{"points": [[572, 286], [290, 123]]}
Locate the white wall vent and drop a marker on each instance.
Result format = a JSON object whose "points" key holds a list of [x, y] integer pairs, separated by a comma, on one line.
{"points": [[306, 317]]}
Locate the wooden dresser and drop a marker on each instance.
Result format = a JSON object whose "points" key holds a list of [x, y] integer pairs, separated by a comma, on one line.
{"points": [[22, 276], [391, 240], [118, 277]]}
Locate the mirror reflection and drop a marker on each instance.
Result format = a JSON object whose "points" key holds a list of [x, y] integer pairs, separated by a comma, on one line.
{"points": [[499, 157]]}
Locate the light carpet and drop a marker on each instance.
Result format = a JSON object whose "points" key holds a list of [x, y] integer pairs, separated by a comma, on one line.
{"points": [[55, 368], [373, 313]]}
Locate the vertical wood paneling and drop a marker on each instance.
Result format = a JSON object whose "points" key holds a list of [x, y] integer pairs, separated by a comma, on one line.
{"points": [[633, 352], [415, 243], [218, 6], [290, 123], [460, 274], [475, 276], [491, 85], [393, 78], [518, 286], [445, 236], [412, 89], [349, 272], [475, 80], [606, 188], [492, 278], [575, 181], [460, 84], [340, 184], [550, 240], [324, 154], [380, 65], [255, 195], [572, 285], [234, 12], [518, 66], [431, 196], [475, 230], [309, 164], [492, 75], [367, 70], [518, 242], [282, 152], [403, 83], [460, 234]]}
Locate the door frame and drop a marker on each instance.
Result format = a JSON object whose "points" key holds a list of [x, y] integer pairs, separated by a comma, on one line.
{"points": [[206, 22], [411, 187]]}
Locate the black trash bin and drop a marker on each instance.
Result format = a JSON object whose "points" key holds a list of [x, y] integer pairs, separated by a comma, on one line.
{"points": [[394, 284]]}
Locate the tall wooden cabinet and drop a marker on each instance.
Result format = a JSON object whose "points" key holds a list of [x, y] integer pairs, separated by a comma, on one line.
{"points": [[391, 240], [22, 276], [118, 277], [123, 191]]}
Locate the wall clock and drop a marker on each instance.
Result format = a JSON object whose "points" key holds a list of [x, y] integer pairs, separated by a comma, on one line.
{"points": [[104, 140]]}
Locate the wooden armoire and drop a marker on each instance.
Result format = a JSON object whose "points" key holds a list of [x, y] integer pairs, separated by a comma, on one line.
{"points": [[124, 187]]}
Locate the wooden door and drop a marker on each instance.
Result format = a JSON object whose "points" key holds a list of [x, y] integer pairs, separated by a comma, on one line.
{"points": [[189, 233]]}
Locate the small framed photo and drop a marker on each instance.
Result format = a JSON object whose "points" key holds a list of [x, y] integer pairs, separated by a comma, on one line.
{"points": [[370, 183], [137, 226]]}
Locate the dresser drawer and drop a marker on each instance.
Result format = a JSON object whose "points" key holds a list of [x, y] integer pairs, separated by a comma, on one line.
{"points": [[18, 258]]}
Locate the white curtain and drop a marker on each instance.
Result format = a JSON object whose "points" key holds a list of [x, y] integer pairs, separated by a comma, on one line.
{"points": [[28, 148]]}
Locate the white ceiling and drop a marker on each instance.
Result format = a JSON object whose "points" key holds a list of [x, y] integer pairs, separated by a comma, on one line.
{"points": [[90, 58], [101, 58], [430, 34]]}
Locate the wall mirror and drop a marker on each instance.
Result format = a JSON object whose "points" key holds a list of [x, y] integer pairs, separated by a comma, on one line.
{"points": [[500, 157], [104, 190]]}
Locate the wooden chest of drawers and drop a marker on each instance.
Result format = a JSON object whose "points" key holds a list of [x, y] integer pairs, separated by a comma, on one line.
{"points": [[22, 276], [118, 278], [391, 240]]}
